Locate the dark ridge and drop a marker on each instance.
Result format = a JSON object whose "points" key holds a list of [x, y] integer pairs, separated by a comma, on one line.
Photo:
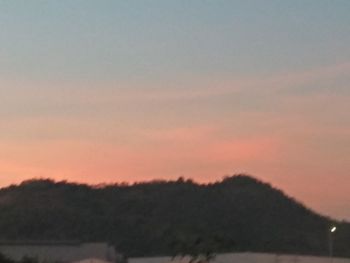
{"points": [[239, 213], [40, 242]]}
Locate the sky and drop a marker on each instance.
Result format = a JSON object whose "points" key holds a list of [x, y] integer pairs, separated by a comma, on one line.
{"points": [[124, 91]]}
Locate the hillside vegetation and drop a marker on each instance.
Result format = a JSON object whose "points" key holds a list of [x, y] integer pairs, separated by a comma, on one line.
{"points": [[238, 213]]}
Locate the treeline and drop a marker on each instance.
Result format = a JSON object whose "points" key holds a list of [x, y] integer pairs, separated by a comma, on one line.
{"points": [[238, 213], [5, 259]]}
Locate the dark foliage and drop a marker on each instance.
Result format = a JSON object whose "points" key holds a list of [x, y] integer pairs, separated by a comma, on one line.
{"points": [[4, 259], [239, 213]]}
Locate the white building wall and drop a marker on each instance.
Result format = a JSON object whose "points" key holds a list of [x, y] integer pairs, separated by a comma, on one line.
{"points": [[60, 253], [247, 258]]}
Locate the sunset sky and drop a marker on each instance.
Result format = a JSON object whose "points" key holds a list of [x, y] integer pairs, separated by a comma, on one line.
{"points": [[111, 91]]}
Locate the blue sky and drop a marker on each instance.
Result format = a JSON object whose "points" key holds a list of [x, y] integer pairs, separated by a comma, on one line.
{"points": [[106, 91], [160, 39]]}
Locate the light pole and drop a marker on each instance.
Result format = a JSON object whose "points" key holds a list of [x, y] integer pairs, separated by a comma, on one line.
{"points": [[331, 232]]}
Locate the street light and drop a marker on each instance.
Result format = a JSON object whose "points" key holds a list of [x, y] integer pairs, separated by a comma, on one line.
{"points": [[331, 231]]}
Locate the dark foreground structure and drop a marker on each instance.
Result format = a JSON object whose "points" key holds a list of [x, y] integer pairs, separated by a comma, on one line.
{"points": [[63, 252]]}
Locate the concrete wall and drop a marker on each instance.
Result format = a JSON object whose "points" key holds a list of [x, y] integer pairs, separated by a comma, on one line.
{"points": [[247, 258], [59, 252]]}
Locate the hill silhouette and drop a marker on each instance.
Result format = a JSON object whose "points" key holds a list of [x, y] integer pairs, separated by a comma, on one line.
{"points": [[239, 213]]}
